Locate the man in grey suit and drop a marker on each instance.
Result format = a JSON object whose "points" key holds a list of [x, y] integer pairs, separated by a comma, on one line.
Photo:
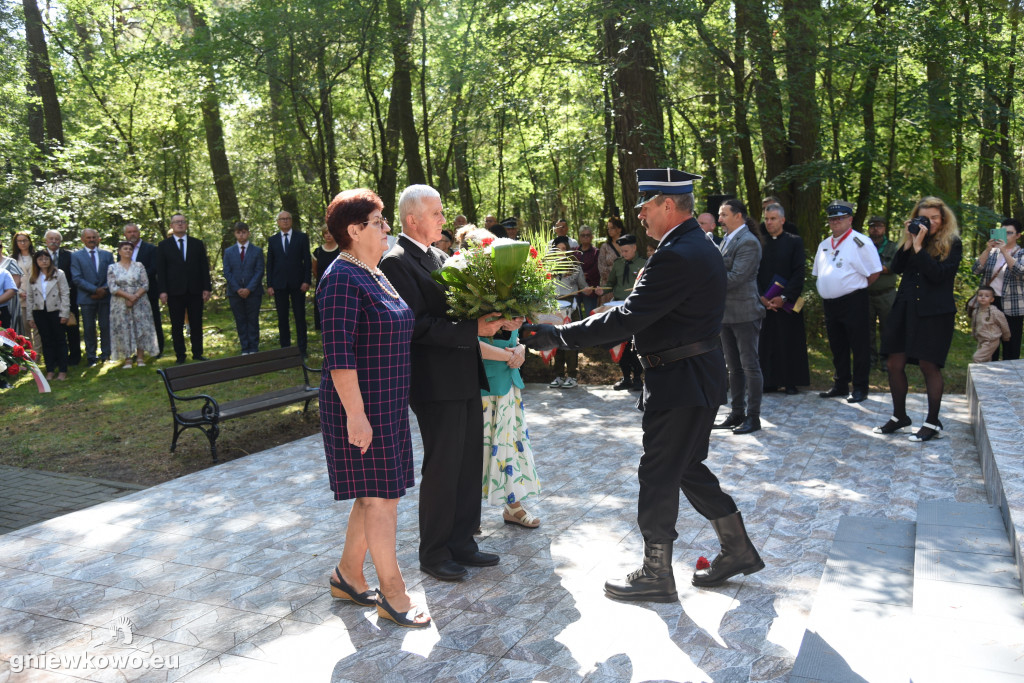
{"points": [[741, 325], [243, 272], [89, 273]]}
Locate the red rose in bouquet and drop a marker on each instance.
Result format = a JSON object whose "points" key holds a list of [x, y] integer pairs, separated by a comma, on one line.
{"points": [[13, 369], [18, 351]]}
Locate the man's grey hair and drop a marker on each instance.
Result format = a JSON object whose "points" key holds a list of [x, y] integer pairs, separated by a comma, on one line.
{"points": [[412, 197], [683, 202], [128, 225], [777, 208], [53, 232]]}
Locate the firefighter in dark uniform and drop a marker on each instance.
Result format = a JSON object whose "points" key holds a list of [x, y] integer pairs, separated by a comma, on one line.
{"points": [[674, 315]]}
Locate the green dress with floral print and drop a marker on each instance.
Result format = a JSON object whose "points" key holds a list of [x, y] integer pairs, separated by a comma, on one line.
{"points": [[510, 475]]}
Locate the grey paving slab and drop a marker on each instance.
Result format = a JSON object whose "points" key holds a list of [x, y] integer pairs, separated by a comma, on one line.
{"points": [[228, 567], [953, 513], [968, 602], [871, 576], [876, 530], [963, 540], [974, 568]]}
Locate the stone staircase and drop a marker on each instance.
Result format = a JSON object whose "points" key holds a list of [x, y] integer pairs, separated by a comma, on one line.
{"points": [[939, 600]]}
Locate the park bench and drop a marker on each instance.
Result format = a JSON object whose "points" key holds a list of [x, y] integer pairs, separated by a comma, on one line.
{"points": [[208, 417]]}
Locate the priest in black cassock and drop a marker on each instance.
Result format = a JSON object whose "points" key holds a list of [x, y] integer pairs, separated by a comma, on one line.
{"points": [[783, 343]]}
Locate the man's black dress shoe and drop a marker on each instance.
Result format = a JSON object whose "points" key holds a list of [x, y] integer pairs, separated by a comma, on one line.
{"points": [[834, 391], [857, 396], [751, 424], [731, 420], [446, 570], [623, 384], [199, 358], [792, 391], [478, 559], [180, 360]]}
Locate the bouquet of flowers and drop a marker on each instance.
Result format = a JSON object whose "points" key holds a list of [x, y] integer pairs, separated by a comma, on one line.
{"points": [[17, 354], [502, 276]]}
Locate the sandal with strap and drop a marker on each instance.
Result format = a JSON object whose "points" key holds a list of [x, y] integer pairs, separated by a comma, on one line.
{"points": [[520, 516], [405, 619], [928, 431], [341, 590], [895, 424]]}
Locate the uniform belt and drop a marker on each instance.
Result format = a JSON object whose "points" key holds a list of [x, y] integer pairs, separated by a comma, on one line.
{"points": [[653, 360]]}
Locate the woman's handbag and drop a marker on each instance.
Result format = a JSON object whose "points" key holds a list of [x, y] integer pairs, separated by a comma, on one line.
{"points": [[72, 321]]}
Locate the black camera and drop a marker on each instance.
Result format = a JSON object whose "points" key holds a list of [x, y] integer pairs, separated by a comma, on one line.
{"points": [[917, 223]]}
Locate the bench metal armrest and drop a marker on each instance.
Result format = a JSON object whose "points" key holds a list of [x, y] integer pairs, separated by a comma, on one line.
{"points": [[306, 370]]}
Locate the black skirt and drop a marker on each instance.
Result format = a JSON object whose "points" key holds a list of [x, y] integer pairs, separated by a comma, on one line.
{"points": [[920, 337]]}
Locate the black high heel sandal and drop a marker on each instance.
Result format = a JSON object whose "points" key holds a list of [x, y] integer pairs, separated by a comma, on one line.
{"points": [[341, 590], [895, 424], [405, 619]]}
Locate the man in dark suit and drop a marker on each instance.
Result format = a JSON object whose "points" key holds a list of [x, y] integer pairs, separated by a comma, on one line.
{"points": [[89, 273], [146, 254], [674, 315], [243, 273], [183, 273], [447, 374], [289, 273], [741, 325], [62, 259]]}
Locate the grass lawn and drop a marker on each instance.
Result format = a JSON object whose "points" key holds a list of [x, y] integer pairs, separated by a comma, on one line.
{"points": [[116, 424]]}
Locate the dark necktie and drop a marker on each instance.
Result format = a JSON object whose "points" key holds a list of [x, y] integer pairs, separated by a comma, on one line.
{"points": [[243, 254], [439, 258], [181, 246], [285, 250], [95, 263]]}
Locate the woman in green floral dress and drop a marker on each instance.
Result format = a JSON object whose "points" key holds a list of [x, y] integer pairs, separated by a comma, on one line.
{"points": [[510, 475]]}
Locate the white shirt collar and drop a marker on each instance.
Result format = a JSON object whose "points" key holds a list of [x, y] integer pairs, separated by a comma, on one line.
{"points": [[424, 247], [665, 236], [241, 245], [728, 238]]}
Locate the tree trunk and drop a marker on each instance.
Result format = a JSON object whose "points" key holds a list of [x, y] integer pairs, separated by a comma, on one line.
{"points": [[401, 20], [423, 93], [210, 106], [41, 85], [890, 166], [608, 178], [283, 166], [803, 17], [326, 116], [739, 107], [1011, 200], [460, 136], [986, 150], [639, 130], [751, 15], [867, 103]]}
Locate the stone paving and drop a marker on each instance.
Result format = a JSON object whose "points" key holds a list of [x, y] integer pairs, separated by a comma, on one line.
{"points": [[30, 496], [225, 570]]}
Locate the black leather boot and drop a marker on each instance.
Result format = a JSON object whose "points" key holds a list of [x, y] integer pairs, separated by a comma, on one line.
{"points": [[653, 582], [738, 555], [731, 420]]}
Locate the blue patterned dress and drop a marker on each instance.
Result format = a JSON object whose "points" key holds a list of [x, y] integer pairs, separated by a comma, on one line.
{"points": [[367, 330]]}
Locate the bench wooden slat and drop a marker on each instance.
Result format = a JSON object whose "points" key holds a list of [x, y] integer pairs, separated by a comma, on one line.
{"points": [[219, 376], [255, 404]]}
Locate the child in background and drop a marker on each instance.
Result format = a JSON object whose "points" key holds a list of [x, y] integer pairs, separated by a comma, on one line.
{"points": [[988, 325]]}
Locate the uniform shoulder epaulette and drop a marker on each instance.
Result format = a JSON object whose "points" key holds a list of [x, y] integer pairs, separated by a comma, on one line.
{"points": [[859, 242]]}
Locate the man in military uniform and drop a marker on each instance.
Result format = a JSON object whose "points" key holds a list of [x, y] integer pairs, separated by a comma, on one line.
{"points": [[674, 315], [881, 292], [846, 263]]}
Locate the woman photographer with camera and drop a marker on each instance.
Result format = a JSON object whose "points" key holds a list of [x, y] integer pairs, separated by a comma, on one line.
{"points": [[919, 329]]}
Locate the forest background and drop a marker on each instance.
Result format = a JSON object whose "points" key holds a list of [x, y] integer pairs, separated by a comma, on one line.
{"points": [[229, 110]]}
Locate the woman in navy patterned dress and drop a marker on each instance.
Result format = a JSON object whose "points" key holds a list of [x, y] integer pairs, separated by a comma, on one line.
{"points": [[364, 401]]}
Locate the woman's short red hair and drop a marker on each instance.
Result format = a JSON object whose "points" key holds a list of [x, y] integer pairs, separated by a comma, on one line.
{"points": [[348, 208]]}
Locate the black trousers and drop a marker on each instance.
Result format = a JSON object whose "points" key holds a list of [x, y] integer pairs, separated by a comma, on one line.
{"points": [[158, 322], [177, 306], [450, 493], [296, 300], [846, 322], [675, 448], [55, 351], [629, 363], [73, 337]]}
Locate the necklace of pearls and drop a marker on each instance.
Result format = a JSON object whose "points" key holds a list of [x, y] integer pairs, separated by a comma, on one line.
{"points": [[375, 273]]}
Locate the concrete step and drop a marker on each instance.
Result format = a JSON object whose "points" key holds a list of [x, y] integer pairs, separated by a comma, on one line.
{"points": [[939, 600], [968, 612]]}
